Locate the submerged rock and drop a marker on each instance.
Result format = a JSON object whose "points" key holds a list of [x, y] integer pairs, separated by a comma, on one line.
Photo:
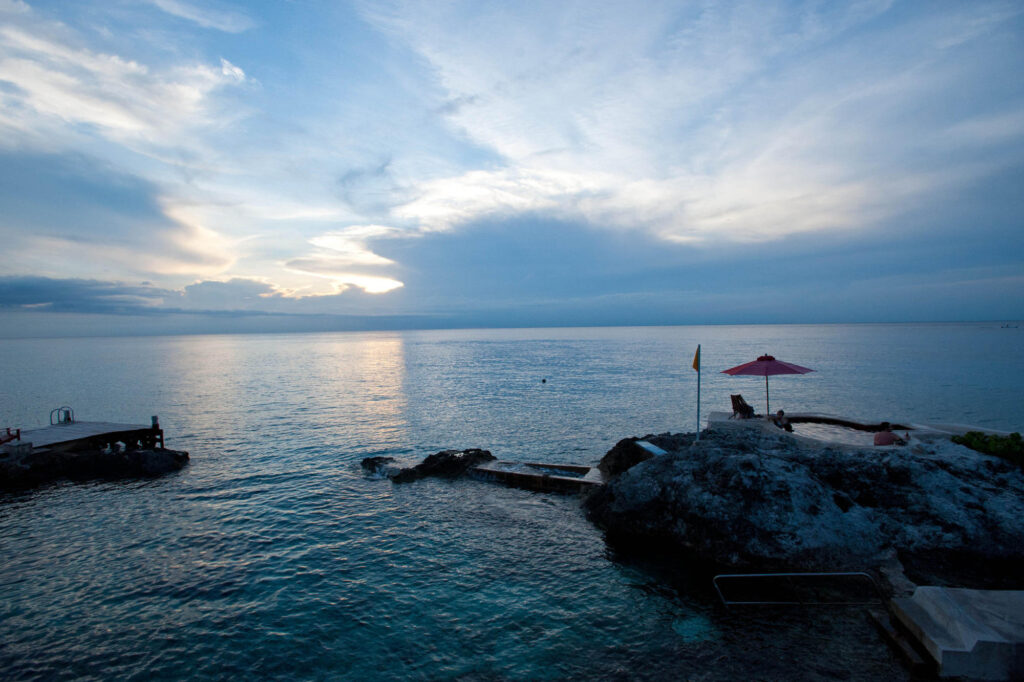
{"points": [[31, 468], [746, 498], [447, 463]]}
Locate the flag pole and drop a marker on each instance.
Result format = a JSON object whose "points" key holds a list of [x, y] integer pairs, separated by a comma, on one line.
{"points": [[696, 366]]}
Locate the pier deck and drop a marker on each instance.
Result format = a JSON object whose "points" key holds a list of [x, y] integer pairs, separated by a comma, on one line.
{"points": [[75, 435]]}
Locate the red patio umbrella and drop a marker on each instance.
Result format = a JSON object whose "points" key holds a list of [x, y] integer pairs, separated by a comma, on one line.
{"points": [[766, 366]]}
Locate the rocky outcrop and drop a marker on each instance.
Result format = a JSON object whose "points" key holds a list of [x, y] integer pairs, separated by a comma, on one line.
{"points": [[379, 467], [32, 468], [447, 464], [747, 498], [627, 453], [624, 455]]}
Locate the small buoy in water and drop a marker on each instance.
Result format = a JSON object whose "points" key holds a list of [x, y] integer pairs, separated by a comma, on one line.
{"points": [[543, 381]]}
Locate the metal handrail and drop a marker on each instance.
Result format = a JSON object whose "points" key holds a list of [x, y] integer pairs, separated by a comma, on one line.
{"points": [[839, 574]]}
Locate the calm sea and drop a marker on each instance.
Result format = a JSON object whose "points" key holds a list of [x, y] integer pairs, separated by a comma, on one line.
{"points": [[272, 555]]}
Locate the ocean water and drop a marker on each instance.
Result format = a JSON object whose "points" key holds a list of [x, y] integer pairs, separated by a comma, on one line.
{"points": [[273, 555]]}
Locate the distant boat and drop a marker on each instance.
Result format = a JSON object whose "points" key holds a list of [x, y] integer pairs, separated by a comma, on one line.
{"points": [[1009, 326]]}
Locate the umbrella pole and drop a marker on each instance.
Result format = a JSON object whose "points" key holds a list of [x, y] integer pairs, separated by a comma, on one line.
{"points": [[768, 405]]}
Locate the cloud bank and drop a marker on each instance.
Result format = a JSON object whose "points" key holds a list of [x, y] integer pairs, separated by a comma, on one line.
{"points": [[486, 163]]}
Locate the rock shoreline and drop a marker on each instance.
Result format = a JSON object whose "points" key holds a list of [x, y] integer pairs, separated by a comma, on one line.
{"points": [[749, 499], [745, 499]]}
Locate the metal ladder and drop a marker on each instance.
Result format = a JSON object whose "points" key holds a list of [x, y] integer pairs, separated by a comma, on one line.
{"points": [[62, 415]]}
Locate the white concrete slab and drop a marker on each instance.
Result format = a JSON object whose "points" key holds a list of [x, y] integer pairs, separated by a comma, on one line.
{"points": [[969, 633]]}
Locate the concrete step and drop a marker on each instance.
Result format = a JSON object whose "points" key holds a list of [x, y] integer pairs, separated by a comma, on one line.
{"points": [[969, 633]]}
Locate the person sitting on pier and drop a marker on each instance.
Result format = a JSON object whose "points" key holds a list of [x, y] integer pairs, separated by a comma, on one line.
{"points": [[782, 421], [885, 436]]}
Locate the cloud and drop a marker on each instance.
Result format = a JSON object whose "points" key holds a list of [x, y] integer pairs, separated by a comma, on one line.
{"points": [[41, 307], [371, 189], [988, 129], [465, 156], [227, 20], [55, 87], [731, 121], [371, 284], [348, 247], [529, 271], [78, 295], [237, 293], [14, 7], [75, 214], [202, 196], [208, 249], [340, 278], [339, 256]]}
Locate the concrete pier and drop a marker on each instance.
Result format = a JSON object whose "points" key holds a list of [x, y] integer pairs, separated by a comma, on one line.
{"points": [[561, 478], [75, 450], [969, 633]]}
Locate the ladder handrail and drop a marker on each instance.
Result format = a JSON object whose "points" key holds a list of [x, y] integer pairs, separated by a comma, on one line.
{"points": [[831, 574], [65, 415]]}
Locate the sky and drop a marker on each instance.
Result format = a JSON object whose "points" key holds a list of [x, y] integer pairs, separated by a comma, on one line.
{"points": [[176, 166]]}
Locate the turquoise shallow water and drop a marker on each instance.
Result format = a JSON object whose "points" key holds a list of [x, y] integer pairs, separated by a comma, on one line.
{"points": [[271, 555]]}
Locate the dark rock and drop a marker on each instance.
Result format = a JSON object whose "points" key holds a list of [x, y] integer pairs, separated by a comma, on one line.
{"points": [[42, 466], [842, 500], [751, 499], [671, 442], [380, 467], [447, 464], [156, 461], [374, 465], [625, 455], [963, 569]]}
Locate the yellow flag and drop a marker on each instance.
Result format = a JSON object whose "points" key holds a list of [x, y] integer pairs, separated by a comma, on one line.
{"points": [[696, 359]]}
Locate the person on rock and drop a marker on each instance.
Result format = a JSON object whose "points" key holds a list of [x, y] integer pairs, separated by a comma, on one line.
{"points": [[885, 436], [782, 421]]}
